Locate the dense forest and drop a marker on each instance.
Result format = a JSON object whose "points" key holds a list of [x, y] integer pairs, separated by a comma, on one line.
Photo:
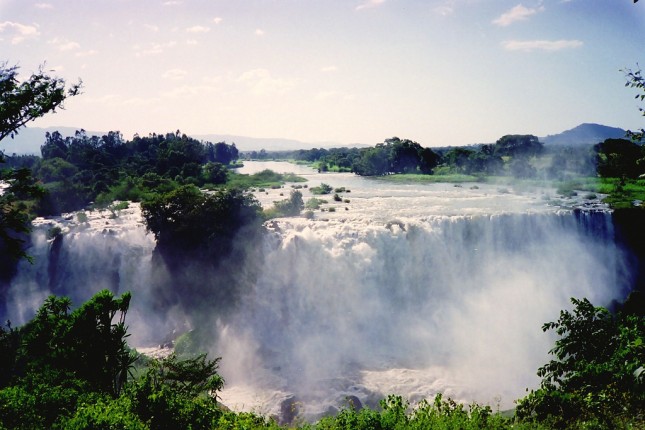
{"points": [[71, 366]]}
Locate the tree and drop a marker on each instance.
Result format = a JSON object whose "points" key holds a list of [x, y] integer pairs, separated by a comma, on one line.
{"points": [[21, 102], [597, 370], [518, 146], [619, 158], [187, 221], [636, 80], [25, 101], [372, 162], [291, 206]]}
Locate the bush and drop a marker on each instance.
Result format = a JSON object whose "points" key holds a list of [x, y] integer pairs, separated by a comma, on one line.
{"points": [[593, 376], [315, 203], [322, 189], [106, 414]]}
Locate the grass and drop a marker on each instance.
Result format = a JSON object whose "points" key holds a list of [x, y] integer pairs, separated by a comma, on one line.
{"points": [[264, 179], [621, 193]]}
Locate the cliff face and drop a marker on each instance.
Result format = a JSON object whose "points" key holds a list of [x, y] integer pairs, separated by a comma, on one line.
{"points": [[629, 227]]}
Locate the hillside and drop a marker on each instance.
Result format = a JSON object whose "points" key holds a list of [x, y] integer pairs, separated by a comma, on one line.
{"points": [[584, 134]]}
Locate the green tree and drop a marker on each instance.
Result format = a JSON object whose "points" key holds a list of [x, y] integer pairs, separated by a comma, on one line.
{"points": [[291, 206], [517, 145], [636, 80], [597, 371], [372, 162], [190, 222], [62, 358], [30, 99], [619, 158], [21, 102]]}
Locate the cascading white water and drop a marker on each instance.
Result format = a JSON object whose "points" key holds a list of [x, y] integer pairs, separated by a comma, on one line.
{"points": [[405, 289], [452, 305]]}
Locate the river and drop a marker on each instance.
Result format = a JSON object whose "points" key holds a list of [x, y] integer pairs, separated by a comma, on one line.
{"points": [[411, 289]]}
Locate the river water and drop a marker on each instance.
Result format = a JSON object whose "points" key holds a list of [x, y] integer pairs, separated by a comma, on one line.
{"points": [[410, 289]]}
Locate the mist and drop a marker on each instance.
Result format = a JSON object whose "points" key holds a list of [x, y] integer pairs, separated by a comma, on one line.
{"points": [[410, 289]]}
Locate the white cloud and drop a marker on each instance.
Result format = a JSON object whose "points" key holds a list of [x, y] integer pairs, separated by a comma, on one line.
{"points": [[217, 20], [19, 32], [44, 6], [189, 90], [154, 28], [259, 32], [517, 13], [69, 46], [191, 42], [174, 74], [329, 69], [540, 45], [87, 53], [198, 29], [260, 82], [64, 44], [368, 4], [154, 49], [172, 3]]}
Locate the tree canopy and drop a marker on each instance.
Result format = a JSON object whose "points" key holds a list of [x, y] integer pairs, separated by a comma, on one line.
{"points": [[30, 99], [21, 102]]}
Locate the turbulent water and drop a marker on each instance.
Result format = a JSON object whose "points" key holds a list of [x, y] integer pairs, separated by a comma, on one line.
{"points": [[405, 289]]}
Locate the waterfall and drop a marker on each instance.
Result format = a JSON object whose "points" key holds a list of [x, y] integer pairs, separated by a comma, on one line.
{"points": [[414, 293], [450, 304]]}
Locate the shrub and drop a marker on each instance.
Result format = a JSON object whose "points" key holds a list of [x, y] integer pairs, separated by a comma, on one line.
{"points": [[322, 189]]}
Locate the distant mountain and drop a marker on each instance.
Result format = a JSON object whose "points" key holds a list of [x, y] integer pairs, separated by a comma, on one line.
{"points": [[584, 134], [29, 140], [244, 143]]}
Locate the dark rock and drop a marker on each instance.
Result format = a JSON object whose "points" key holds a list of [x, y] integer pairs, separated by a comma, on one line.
{"points": [[289, 410]]}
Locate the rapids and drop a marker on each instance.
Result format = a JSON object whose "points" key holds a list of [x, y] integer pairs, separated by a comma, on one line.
{"points": [[410, 289]]}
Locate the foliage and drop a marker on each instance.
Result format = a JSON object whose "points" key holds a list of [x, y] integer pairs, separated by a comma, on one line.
{"points": [[289, 207], [518, 146], [14, 213], [596, 373], [21, 102], [68, 370], [620, 158], [61, 358], [396, 413], [85, 343], [263, 179], [636, 80], [105, 413], [321, 189], [187, 221], [28, 100], [315, 203], [104, 168], [175, 393]]}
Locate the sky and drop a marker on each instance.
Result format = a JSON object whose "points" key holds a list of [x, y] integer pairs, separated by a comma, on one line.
{"points": [[439, 72]]}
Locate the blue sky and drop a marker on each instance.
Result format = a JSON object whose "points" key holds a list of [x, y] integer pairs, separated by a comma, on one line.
{"points": [[440, 72]]}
